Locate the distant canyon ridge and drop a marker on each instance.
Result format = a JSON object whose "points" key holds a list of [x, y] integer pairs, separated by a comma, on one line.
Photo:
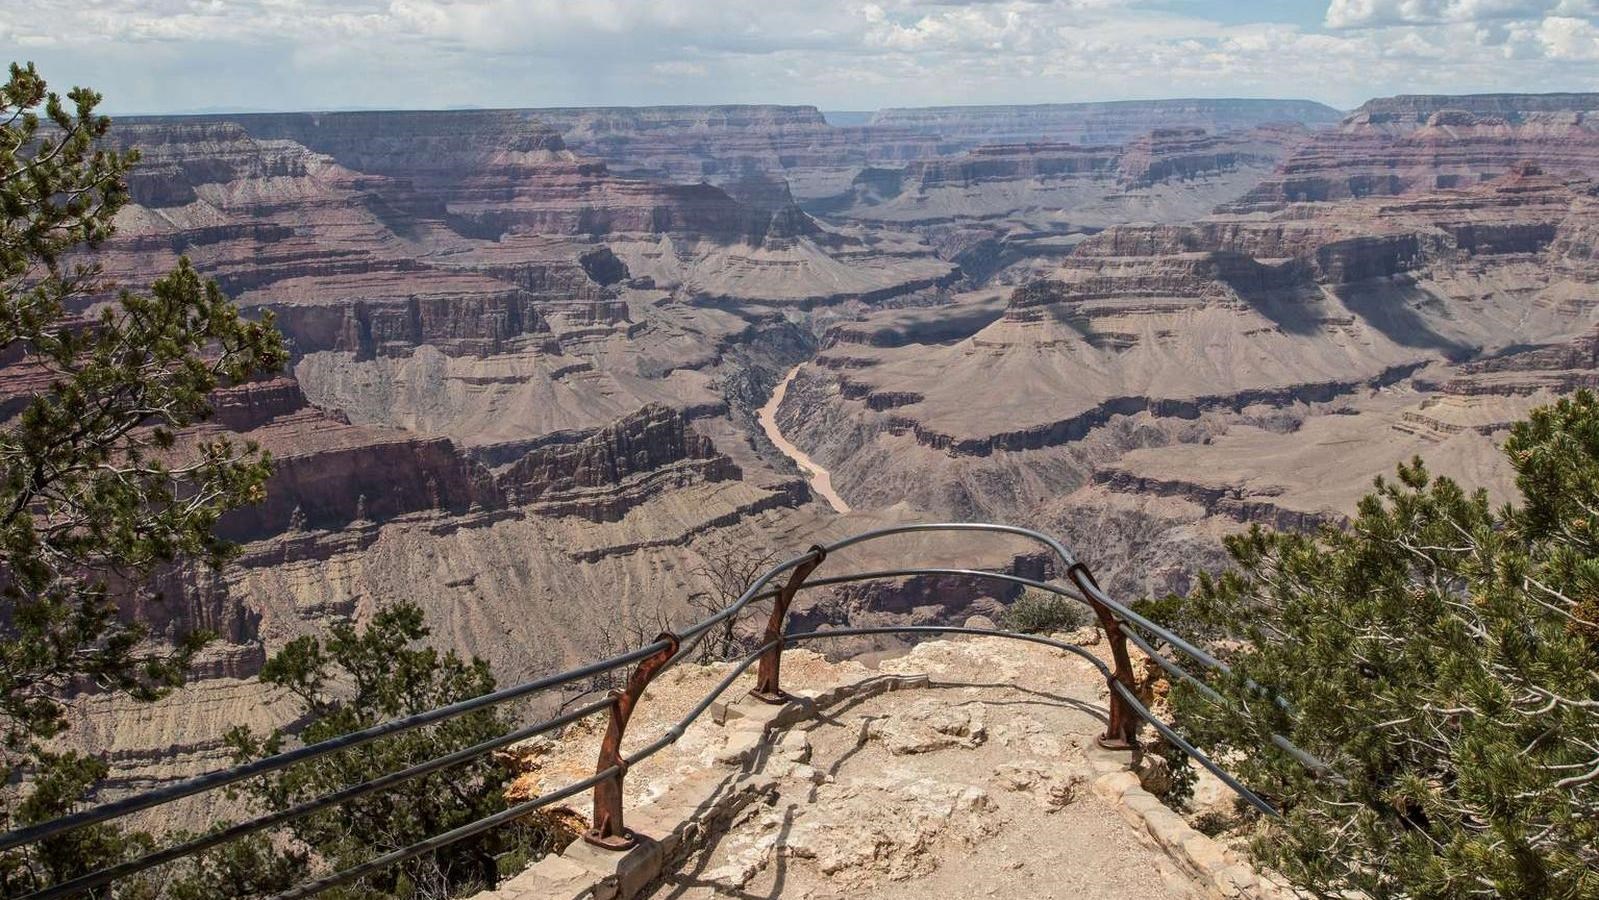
{"points": [[531, 348]]}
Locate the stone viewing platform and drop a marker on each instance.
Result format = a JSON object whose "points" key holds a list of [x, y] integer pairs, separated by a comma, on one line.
{"points": [[964, 768]]}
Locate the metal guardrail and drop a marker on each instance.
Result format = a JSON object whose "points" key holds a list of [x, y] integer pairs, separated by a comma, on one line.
{"points": [[1126, 712]]}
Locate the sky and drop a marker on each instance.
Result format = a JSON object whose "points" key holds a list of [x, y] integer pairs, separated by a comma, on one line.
{"points": [[160, 56]]}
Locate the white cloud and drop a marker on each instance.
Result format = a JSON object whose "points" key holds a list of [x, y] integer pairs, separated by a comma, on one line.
{"points": [[1569, 38], [1544, 44], [1364, 13], [152, 55], [679, 69]]}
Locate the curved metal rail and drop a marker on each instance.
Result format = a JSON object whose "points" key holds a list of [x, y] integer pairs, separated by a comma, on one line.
{"points": [[1126, 714]]}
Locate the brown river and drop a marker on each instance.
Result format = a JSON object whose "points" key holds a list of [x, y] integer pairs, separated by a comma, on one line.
{"points": [[821, 481]]}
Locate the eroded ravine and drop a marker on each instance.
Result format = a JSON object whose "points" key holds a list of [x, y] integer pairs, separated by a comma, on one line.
{"points": [[820, 479]]}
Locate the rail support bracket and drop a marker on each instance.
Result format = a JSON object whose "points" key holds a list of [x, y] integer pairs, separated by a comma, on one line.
{"points": [[608, 831], [768, 687], [1121, 732]]}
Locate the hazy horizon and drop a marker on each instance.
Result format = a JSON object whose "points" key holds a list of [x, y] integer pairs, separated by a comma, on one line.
{"points": [[834, 117], [229, 56]]}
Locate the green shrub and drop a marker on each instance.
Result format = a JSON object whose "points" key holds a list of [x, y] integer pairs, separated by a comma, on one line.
{"points": [[354, 679], [1039, 612]]}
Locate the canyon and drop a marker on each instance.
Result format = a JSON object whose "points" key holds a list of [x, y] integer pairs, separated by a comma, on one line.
{"points": [[549, 368]]}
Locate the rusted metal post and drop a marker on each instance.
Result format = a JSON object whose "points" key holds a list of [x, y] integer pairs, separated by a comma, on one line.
{"points": [[1122, 732], [768, 686], [608, 831]]}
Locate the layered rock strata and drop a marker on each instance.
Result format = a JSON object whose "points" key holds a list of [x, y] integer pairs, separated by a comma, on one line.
{"points": [[528, 348], [1172, 382], [1100, 123], [648, 452], [1417, 144], [1164, 174]]}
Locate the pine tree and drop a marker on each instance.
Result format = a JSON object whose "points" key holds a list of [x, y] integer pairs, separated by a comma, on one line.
{"points": [[97, 490], [1442, 656]]}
